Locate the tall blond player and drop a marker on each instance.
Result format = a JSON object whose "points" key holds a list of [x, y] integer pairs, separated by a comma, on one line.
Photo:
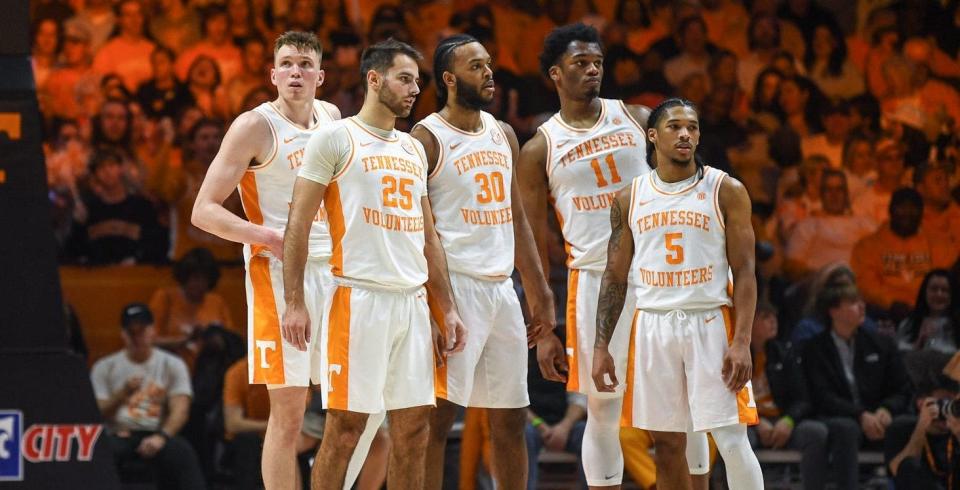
{"points": [[261, 154]]}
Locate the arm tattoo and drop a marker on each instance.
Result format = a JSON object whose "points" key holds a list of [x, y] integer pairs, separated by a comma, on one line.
{"points": [[613, 293]]}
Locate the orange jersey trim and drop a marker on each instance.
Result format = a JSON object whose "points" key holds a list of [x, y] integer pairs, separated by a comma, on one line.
{"points": [[337, 226], [440, 372], [626, 415], [250, 200], [747, 414]]}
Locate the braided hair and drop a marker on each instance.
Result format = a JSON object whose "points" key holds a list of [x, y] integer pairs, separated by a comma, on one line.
{"points": [[654, 119], [443, 58]]}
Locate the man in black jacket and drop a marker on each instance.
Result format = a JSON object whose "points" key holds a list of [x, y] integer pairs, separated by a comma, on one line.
{"points": [[857, 380], [783, 401]]}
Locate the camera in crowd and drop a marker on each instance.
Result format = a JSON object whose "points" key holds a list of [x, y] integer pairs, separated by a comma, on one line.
{"points": [[948, 406]]}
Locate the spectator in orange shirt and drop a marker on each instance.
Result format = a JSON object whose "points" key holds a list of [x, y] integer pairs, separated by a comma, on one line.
{"points": [[890, 263], [127, 54], [183, 311], [941, 214], [46, 45], [246, 408], [216, 43], [233, 91], [73, 85]]}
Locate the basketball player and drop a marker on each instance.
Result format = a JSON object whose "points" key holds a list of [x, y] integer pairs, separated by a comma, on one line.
{"points": [[376, 345], [676, 233], [261, 154], [480, 220], [580, 158]]}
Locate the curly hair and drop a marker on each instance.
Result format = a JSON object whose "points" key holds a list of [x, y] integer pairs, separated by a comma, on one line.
{"points": [[559, 39]]}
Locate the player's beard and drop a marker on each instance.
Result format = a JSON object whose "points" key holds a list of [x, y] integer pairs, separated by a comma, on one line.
{"points": [[393, 102], [469, 96]]}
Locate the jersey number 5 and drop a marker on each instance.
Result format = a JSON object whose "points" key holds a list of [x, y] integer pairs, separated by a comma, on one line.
{"points": [[598, 171], [393, 186], [491, 187], [674, 250]]}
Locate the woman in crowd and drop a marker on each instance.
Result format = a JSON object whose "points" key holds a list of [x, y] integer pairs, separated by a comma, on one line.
{"points": [[934, 322]]}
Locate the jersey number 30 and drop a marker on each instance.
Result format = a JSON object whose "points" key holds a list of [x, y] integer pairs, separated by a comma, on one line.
{"points": [[491, 187]]}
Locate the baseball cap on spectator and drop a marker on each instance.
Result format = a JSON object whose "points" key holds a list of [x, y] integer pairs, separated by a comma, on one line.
{"points": [[136, 314]]}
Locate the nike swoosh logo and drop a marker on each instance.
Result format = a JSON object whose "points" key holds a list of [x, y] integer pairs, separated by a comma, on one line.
{"points": [[453, 146], [708, 320], [644, 203], [607, 477], [560, 144], [288, 140], [368, 143]]}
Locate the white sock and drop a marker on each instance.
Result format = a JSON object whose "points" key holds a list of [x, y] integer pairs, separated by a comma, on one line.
{"points": [[698, 453], [601, 453], [743, 469], [363, 447]]}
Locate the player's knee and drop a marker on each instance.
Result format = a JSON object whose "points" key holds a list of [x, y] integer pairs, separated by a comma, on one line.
{"points": [[441, 420], [670, 444], [731, 440], [507, 424], [345, 428]]}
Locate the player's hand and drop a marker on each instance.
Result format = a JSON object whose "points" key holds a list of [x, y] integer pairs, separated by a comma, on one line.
{"points": [[456, 334], [275, 243], [737, 367], [781, 433], [439, 341], [151, 445], [542, 323], [552, 358], [883, 415], [296, 325], [604, 369]]}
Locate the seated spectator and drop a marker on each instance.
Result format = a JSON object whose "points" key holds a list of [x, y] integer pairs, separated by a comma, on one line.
{"points": [[185, 310], [836, 127], [144, 396], [72, 87], [826, 236], [246, 408], [113, 129], [236, 88], [120, 226], [859, 164], [216, 44], [46, 43], [815, 317], [920, 450], [941, 214], [555, 420], [800, 195], [203, 80], [97, 18], [178, 188], [891, 262], [127, 53], [857, 381], [175, 26], [693, 57], [875, 201], [828, 65], [163, 95], [783, 402], [800, 102], [934, 322], [763, 40]]}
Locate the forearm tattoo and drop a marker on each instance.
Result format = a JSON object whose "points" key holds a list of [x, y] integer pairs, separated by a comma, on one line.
{"points": [[613, 293]]}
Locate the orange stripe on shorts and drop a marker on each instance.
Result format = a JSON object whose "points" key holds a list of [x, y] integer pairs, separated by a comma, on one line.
{"points": [[268, 344], [747, 414], [439, 372], [573, 369], [338, 349]]}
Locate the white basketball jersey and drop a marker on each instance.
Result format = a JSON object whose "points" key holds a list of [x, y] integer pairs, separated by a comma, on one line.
{"points": [[374, 209], [266, 189], [680, 247], [470, 196], [585, 169]]}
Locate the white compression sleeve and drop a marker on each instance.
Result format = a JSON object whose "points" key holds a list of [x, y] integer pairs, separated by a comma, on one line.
{"points": [[363, 447], [743, 469], [601, 453], [698, 453]]}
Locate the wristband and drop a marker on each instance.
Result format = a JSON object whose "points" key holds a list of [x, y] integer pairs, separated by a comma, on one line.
{"points": [[789, 420], [536, 422]]}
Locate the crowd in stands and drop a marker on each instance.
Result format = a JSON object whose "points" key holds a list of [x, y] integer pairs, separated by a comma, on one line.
{"points": [[841, 118]]}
